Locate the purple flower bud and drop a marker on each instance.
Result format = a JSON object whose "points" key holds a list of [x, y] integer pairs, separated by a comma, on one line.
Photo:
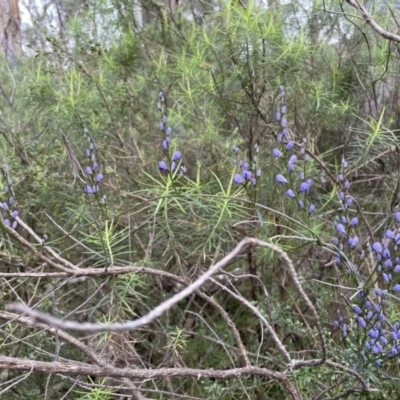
{"points": [[307, 157], [280, 179], [301, 175], [5, 189], [165, 144], [238, 179], [311, 209], [4, 206], [344, 163], [247, 175], [354, 221], [246, 166], [290, 145], [87, 152], [258, 173], [91, 146], [278, 116], [290, 168], [173, 165], [14, 224], [377, 247], [292, 159], [396, 269], [284, 122], [162, 166], [7, 222], [277, 153], [283, 110], [177, 155], [349, 202], [340, 177], [15, 214], [290, 193], [341, 229], [169, 131], [397, 215], [304, 187], [353, 241], [164, 119], [347, 185], [389, 234], [361, 322], [11, 200], [95, 166], [161, 125], [396, 288], [89, 190], [386, 253], [357, 310], [99, 177], [89, 171], [341, 195], [373, 334], [300, 203]]}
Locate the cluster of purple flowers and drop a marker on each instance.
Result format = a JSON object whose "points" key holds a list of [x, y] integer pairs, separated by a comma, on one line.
{"points": [[380, 338], [299, 183], [9, 205], [174, 160], [246, 172], [91, 168]]}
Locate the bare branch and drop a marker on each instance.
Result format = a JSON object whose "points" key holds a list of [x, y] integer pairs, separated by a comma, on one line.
{"points": [[372, 23]]}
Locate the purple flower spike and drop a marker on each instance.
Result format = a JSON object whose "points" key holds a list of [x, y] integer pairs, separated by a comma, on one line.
{"points": [[277, 153], [281, 179], [99, 177], [377, 247], [290, 194], [238, 179], [162, 166], [177, 155]]}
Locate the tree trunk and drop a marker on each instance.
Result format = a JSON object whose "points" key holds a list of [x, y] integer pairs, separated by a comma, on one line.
{"points": [[10, 32]]}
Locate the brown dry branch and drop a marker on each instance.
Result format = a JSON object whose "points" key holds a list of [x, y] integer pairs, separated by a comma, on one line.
{"points": [[372, 23], [78, 368]]}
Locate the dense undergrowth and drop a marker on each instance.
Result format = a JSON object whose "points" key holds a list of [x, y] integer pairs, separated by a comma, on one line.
{"points": [[176, 153]]}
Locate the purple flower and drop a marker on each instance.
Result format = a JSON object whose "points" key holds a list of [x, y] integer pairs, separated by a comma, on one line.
{"points": [[290, 168], [283, 110], [177, 155], [377, 247], [247, 175], [15, 214], [99, 177], [280, 179], [161, 125], [292, 159], [340, 177], [162, 166], [4, 206], [304, 187], [246, 166], [353, 241], [277, 153], [396, 269], [290, 193], [7, 222], [290, 145], [169, 131], [389, 234], [361, 322], [165, 144], [354, 221], [341, 229], [89, 171], [284, 122], [278, 116], [258, 173], [311, 209], [300, 203], [397, 215], [173, 165], [89, 190], [357, 310], [341, 196], [396, 288], [238, 179]]}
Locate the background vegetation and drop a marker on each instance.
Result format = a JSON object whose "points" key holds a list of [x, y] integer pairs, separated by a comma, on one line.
{"points": [[106, 73]]}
